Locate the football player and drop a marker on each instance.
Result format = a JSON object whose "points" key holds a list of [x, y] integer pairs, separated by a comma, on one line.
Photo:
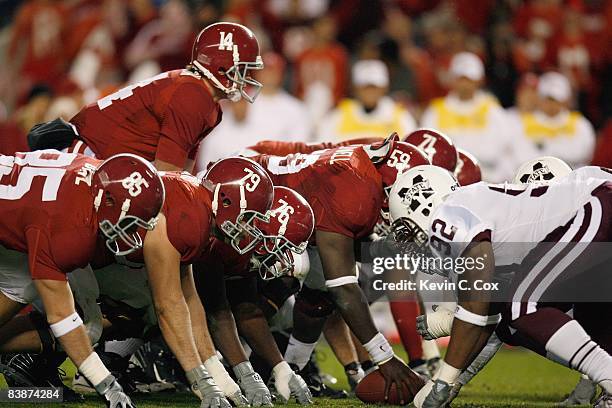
{"points": [[164, 118], [56, 209], [475, 222], [345, 187], [227, 283], [467, 170], [227, 202]]}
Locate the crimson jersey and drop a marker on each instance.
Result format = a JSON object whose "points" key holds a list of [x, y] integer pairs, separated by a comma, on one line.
{"points": [[188, 212], [277, 148], [164, 117], [342, 186], [221, 256], [46, 210]]}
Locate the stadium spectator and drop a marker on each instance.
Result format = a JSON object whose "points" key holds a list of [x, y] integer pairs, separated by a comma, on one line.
{"points": [[36, 46], [603, 150], [555, 130], [321, 70], [276, 115], [370, 112], [473, 118], [166, 41], [526, 97]]}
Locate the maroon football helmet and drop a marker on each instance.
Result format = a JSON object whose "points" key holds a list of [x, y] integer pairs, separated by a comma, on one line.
{"points": [[224, 53], [128, 195], [438, 147], [242, 194], [287, 233], [467, 170], [400, 157]]}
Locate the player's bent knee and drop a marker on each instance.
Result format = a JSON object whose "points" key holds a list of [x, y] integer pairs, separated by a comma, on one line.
{"points": [[314, 303]]}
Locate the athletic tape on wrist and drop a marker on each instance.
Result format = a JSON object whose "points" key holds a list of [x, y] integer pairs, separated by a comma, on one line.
{"points": [[221, 376], [282, 370], [66, 325], [341, 281], [379, 349], [448, 373], [475, 319], [94, 369]]}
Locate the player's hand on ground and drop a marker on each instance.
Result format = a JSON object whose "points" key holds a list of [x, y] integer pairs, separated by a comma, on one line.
{"points": [[435, 394], [289, 384], [110, 389], [407, 381], [435, 325], [203, 385], [255, 391]]}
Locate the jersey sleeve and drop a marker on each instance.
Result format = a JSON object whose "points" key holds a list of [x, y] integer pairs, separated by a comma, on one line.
{"points": [[276, 148], [186, 117], [453, 228], [40, 258]]}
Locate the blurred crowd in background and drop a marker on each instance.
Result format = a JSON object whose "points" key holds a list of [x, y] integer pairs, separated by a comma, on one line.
{"points": [[507, 79]]}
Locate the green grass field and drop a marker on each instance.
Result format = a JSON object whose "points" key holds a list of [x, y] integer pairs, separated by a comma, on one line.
{"points": [[515, 378]]}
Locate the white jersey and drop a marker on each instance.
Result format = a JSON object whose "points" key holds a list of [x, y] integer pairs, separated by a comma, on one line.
{"points": [[517, 217]]}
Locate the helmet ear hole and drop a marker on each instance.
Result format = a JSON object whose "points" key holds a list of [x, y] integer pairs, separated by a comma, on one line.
{"points": [[109, 201], [226, 202]]}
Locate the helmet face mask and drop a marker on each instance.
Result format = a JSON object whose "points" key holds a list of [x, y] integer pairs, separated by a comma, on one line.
{"points": [[242, 234], [125, 232], [276, 255], [242, 81]]}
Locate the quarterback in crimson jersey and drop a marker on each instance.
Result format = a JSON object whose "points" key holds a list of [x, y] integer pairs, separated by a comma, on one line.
{"points": [[164, 118], [345, 191], [55, 209]]}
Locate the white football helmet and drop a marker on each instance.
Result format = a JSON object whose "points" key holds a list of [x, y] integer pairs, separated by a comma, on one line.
{"points": [[542, 170], [414, 197]]}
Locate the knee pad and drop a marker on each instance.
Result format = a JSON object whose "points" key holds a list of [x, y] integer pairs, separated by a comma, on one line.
{"points": [[44, 332], [314, 303]]}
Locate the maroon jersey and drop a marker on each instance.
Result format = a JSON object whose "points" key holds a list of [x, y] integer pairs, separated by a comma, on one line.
{"points": [[47, 211], [342, 186], [278, 148], [164, 117], [221, 256], [188, 212]]}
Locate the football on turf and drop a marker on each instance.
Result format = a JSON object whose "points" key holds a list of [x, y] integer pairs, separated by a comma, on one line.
{"points": [[371, 390]]}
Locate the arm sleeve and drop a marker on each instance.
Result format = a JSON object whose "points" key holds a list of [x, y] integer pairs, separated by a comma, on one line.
{"points": [[185, 119], [40, 259], [455, 227]]}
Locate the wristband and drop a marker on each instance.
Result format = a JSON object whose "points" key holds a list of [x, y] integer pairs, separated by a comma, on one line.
{"points": [[66, 325], [476, 319], [94, 369], [448, 373], [379, 349]]}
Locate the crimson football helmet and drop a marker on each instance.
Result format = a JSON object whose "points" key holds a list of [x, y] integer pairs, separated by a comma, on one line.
{"points": [[467, 170], [400, 157], [285, 235], [242, 194], [224, 53], [438, 147], [128, 195]]}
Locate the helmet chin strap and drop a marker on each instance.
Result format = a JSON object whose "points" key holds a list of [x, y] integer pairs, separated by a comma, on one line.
{"points": [[232, 93], [98, 199]]}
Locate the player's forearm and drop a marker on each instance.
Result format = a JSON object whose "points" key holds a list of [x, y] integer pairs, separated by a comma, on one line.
{"points": [[355, 310], [339, 338], [225, 336], [199, 326], [254, 328], [175, 325]]}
